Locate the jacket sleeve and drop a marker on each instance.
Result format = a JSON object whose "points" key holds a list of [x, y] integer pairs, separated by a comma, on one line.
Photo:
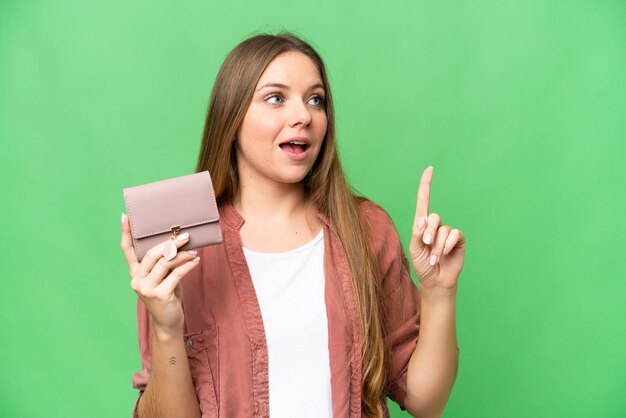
{"points": [[144, 331], [401, 300]]}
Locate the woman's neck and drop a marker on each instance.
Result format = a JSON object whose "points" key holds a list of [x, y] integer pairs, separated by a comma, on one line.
{"points": [[277, 216], [270, 200]]}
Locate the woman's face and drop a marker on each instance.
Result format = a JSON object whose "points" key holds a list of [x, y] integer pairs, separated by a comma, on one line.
{"points": [[285, 124]]}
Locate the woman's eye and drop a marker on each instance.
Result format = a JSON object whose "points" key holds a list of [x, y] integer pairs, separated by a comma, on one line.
{"points": [[317, 100], [274, 99]]}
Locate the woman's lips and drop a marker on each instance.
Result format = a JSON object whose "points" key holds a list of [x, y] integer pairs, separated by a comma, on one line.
{"points": [[296, 152]]}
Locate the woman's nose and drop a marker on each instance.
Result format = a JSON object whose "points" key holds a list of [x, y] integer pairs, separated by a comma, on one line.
{"points": [[300, 114]]}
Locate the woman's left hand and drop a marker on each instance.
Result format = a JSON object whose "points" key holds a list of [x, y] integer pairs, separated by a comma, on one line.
{"points": [[437, 250]]}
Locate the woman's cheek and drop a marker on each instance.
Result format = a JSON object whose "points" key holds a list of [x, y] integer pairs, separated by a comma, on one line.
{"points": [[321, 125], [267, 125]]}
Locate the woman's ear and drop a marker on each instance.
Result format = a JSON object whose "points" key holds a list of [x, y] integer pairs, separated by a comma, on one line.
{"points": [[235, 139], [233, 154]]}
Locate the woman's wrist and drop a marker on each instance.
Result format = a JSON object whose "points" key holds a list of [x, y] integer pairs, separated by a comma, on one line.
{"points": [[438, 294], [167, 335]]}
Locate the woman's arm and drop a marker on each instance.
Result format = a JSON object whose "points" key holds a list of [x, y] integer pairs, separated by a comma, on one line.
{"points": [[438, 254], [433, 365], [170, 392]]}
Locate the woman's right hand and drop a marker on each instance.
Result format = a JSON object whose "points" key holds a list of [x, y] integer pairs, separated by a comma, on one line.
{"points": [[158, 282]]}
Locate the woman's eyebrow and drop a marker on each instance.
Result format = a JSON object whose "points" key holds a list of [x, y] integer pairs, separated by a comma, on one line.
{"points": [[285, 87]]}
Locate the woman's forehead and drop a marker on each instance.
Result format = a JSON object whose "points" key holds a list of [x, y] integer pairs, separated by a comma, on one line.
{"points": [[292, 70]]}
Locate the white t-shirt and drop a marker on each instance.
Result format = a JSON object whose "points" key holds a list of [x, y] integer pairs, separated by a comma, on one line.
{"points": [[290, 290]]}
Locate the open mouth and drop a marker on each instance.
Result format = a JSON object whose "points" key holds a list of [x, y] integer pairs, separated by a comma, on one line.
{"points": [[295, 147]]}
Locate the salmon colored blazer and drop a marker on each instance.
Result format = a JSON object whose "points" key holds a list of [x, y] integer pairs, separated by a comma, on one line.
{"points": [[224, 334]]}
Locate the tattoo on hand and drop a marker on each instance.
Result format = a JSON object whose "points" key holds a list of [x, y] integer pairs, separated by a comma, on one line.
{"points": [[172, 361]]}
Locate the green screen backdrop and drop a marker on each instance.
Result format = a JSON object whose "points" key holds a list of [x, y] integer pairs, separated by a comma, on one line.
{"points": [[520, 106]]}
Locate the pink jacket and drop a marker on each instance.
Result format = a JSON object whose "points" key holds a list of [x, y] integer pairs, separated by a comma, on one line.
{"points": [[224, 333]]}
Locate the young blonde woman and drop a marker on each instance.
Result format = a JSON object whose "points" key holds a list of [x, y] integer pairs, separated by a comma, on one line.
{"points": [[307, 309]]}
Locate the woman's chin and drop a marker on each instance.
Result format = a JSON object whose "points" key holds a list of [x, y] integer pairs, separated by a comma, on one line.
{"points": [[292, 178]]}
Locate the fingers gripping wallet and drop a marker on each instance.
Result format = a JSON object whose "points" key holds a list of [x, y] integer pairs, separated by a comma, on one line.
{"points": [[160, 210]]}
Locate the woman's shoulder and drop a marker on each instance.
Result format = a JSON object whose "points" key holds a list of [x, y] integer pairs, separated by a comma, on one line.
{"points": [[385, 244], [382, 228], [375, 215]]}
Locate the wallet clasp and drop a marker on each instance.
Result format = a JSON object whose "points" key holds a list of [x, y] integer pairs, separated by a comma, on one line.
{"points": [[175, 231]]}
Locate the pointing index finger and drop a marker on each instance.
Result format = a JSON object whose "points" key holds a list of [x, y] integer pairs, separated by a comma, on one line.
{"points": [[423, 192]]}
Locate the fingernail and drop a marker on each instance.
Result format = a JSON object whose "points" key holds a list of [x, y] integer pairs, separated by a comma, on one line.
{"points": [[421, 222], [192, 252], [196, 259], [445, 251], [433, 259], [183, 236], [123, 217], [427, 238]]}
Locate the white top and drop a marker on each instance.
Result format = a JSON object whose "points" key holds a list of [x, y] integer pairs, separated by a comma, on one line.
{"points": [[290, 290]]}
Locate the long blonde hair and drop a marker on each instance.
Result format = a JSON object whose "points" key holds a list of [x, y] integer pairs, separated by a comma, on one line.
{"points": [[325, 185]]}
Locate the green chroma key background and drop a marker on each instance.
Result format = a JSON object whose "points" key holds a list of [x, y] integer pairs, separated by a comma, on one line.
{"points": [[519, 105]]}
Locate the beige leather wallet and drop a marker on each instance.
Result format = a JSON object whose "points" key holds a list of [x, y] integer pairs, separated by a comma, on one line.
{"points": [[161, 210]]}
